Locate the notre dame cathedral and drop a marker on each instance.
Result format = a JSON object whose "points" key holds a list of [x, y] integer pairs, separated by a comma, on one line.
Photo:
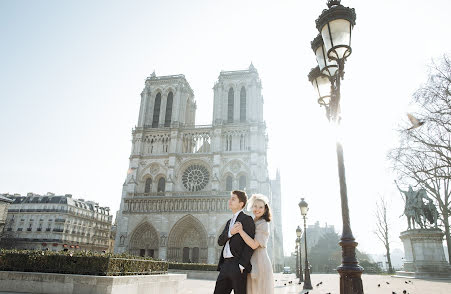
{"points": [[174, 199]]}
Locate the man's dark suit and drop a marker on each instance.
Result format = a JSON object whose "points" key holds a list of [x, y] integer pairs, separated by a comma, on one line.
{"points": [[230, 276]]}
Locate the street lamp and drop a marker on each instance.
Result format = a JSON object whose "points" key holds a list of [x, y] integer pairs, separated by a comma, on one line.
{"points": [[332, 47], [307, 283], [298, 244]]}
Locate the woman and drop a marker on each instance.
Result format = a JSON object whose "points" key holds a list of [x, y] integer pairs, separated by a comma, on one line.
{"points": [[260, 280]]}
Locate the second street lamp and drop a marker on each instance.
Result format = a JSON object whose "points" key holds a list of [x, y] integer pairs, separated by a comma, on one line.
{"points": [[307, 283], [332, 48], [299, 252]]}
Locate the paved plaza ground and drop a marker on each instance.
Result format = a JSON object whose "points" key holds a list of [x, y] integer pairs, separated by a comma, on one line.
{"points": [[331, 285]]}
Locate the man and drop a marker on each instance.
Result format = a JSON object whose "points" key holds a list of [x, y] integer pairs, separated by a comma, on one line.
{"points": [[234, 262]]}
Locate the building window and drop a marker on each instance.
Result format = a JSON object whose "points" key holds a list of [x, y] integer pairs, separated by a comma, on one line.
{"points": [[229, 143], [195, 177], [242, 142], [229, 183], [243, 105], [148, 185], [242, 184], [161, 185], [230, 106], [156, 111], [168, 116]]}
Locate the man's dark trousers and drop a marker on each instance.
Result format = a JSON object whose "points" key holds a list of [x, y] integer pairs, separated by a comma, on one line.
{"points": [[230, 277]]}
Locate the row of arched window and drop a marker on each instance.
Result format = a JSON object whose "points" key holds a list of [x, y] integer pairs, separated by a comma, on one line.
{"points": [[242, 182], [231, 102], [229, 143], [161, 187], [156, 110]]}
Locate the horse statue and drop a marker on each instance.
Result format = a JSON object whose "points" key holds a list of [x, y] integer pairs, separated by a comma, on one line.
{"points": [[429, 210], [416, 211]]}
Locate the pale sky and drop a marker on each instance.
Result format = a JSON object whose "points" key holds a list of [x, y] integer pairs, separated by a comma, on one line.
{"points": [[71, 74]]}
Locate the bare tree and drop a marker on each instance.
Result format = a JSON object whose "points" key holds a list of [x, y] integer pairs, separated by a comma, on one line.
{"points": [[382, 228], [424, 155]]}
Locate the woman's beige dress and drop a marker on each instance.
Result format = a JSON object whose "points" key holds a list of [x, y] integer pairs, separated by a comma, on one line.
{"points": [[261, 280]]}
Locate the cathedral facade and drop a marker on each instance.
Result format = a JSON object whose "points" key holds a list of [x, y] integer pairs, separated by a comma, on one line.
{"points": [[174, 199]]}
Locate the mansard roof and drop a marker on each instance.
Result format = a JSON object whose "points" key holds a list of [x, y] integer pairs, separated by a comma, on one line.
{"points": [[52, 199], [5, 199]]}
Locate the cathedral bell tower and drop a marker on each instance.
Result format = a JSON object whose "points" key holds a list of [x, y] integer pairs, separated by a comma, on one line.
{"points": [[237, 97], [167, 101]]}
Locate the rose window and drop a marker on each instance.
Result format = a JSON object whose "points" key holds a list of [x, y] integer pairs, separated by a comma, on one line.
{"points": [[195, 177]]}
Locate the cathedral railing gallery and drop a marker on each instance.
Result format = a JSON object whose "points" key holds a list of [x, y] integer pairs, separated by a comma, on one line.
{"points": [[193, 139], [173, 204]]}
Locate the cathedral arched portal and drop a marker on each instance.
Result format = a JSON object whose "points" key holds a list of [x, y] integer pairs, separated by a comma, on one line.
{"points": [[144, 241], [187, 241]]}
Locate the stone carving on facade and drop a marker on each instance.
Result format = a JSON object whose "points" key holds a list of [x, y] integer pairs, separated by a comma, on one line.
{"points": [[154, 168], [235, 166], [163, 240], [211, 240], [122, 239], [131, 180], [133, 205]]}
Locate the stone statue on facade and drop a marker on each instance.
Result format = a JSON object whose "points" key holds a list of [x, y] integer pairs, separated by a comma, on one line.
{"points": [[416, 211]]}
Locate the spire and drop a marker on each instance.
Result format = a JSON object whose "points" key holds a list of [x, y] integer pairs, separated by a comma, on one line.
{"points": [[153, 75], [251, 67], [278, 175]]}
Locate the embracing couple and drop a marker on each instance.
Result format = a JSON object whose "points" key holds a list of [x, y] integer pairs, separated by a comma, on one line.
{"points": [[244, 264]]}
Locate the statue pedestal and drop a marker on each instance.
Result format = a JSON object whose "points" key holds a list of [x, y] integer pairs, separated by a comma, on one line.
{"points": [[424, 254]]}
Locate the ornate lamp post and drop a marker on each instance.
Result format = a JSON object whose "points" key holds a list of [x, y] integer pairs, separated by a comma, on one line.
{"points": [[298, 243], [307, 283], [296, 252], [332, 47]]}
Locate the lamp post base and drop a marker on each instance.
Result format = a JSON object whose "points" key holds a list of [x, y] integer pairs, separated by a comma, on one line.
{"points": [[350, 279], [307, 282]]}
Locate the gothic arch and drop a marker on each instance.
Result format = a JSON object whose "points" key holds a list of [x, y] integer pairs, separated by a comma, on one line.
{"points": [[160, 183], [189, 233], [168, 89], [148, 184], [144, 240], [243, 180], [243, 104], [230, 104], [168, 110], [227, 175], [150, 171], [156, 110]]}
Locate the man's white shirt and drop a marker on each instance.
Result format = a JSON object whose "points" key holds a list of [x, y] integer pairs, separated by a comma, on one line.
{"points": [[227, 253]]}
